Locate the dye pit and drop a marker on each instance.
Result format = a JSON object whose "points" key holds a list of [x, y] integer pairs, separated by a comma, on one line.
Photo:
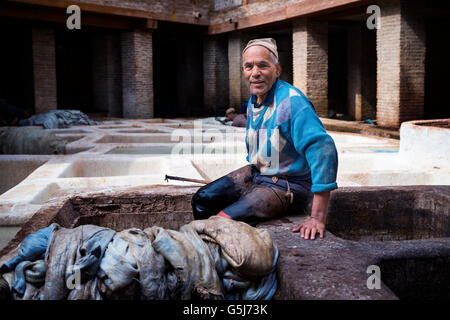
{"points": [[414, 262], [391, 210]]}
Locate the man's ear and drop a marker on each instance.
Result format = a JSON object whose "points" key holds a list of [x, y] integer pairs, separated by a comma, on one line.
{"points": [[278, 68]]}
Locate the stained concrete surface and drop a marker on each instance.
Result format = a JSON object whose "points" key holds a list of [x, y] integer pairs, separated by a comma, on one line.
{"points": [[141, 152], [6, 234], [328, 268], [379, 217]]}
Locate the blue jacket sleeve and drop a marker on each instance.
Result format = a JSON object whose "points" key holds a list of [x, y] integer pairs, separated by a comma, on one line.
{"points": [[311, 139]]}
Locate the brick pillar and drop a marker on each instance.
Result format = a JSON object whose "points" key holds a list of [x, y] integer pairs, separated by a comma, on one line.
{"points": [[400, 63], [235, 69], [107, 80], [44, 69], [137, 74], [310, 61], [215, 75], [245, 93]]}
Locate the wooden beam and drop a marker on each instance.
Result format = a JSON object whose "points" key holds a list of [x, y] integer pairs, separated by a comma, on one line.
{"points": [[60, 16], [113, 10], [87, 7], [300, 9]]}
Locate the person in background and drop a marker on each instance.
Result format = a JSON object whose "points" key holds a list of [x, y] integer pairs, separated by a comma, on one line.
{"points": [[238, 120]]}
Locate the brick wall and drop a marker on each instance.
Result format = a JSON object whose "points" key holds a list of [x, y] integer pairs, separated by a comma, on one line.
{"points": [[400, 63], [137, 74], [210, 51], [245, 92], [412, 55], [310, 61], [44, 69], [215, 75], [234, 66], [107, 80]]}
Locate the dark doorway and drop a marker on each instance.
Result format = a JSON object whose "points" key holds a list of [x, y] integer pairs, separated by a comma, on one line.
{"points": [[437, 69], [337, 69], [178, 70], [74, 69], [16, 64]]}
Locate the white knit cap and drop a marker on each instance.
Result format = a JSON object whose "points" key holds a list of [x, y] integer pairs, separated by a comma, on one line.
{"points": [[268, 43]]}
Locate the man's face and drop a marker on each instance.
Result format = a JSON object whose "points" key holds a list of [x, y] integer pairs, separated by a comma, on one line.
{"points": [[259, 70]]}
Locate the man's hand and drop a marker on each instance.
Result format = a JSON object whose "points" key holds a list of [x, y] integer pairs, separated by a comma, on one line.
{"points": [[310, 227], [316, 222]]}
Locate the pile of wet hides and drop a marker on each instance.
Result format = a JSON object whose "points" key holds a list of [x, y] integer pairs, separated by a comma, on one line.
{"points": [[55, 119], [215, 258], [21, 140]]}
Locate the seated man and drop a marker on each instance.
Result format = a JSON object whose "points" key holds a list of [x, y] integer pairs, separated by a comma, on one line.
{"points": [[239, 120], [290, 153]]}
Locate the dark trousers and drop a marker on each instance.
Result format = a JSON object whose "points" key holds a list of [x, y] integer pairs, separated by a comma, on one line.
{"points": [[246, 195]]}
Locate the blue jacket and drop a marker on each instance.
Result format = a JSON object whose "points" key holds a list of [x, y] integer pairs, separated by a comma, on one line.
{"points": [[286, 137]]}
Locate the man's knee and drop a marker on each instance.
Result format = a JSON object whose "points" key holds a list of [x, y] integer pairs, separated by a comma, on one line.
{"points": [[210, 199], [215, 196], [199, 210], [258, 202]]}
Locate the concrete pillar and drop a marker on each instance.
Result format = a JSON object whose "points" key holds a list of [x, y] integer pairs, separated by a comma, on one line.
{"points": [[310, 61], [107, 80], [215, 75], [44, 69], [400, 62], [137, 74]]}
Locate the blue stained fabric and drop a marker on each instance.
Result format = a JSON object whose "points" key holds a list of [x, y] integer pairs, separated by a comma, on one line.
{"points": [[58, 119], [215, 259], [33, 247], [267, 286], [31, 272], [19, 284], [236, 287], [286, 137], [92, 251], [191, 258]]}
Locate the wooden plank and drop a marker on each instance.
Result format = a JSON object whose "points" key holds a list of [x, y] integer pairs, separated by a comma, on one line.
{"points": [[311, 6], [304, 8], [112, 10], [279, 14], [60, 16], [88, 7], [151, 24]]}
